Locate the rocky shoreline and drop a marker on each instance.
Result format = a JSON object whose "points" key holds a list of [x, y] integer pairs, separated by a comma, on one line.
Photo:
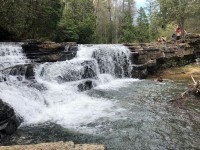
{"points": [[148, 58]]}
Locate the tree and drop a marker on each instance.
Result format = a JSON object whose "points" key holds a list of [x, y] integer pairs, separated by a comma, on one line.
{"points": [[127, 33], [142, 26], [178, 11], [28, 19], [152, 9]]}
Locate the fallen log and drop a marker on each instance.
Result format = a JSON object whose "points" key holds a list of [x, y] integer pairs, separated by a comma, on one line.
{"points": [[195, 90]]}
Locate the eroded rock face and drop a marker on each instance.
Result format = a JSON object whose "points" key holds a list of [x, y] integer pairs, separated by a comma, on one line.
{"points": [[194, 40], [49, 51], [147, 58], [9, 122]]}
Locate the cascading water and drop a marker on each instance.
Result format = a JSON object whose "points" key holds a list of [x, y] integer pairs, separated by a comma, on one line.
{"points": [[54, 95], [111, 59], [136, 116], [11, 54]]}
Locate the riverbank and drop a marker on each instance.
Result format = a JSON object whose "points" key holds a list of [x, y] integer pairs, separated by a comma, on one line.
{"points": [[55, 146], [180, 73]]}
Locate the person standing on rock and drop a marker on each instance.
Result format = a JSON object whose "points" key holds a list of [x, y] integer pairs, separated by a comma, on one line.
{"points": [[178, 33]]}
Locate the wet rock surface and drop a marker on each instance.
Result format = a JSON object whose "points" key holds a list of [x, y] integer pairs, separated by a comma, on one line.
{"points": [[86, 85], [19, 71], [9, 122], [49, 51]]}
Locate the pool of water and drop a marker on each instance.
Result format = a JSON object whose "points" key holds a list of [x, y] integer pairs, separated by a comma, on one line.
{"points": [[144, 119]]}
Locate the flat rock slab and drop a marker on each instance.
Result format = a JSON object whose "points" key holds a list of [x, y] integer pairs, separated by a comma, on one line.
{"points": [[55, 146]]}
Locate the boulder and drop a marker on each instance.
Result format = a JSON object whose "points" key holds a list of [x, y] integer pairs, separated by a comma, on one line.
{"points": [[86, 85], [20, 71], [139, 71], [9, 122]]}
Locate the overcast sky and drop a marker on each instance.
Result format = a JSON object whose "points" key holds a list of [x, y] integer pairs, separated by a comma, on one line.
{"points": [[140, 3]]}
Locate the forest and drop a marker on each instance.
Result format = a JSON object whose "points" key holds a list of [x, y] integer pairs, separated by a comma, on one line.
{"points": [[96, 21]]}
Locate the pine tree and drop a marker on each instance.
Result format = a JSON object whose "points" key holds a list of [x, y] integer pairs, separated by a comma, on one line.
{"points": [[142, 26]]}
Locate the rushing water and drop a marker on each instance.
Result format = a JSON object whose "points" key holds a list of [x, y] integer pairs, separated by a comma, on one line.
{"points": [[122, 113], [11, 54]]}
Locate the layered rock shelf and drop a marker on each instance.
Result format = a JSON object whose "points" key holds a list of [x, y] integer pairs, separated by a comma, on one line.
{"points": [[49, 51], [147, 58]]}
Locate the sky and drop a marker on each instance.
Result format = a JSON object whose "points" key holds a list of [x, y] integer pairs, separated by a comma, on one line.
{"points": [[140, 3]]}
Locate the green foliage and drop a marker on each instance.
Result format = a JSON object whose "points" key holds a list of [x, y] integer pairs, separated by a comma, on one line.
{"points": [[53, 20], [142, 26], [167, 31], [178, 11], [30, 19], [96, 21], [84, 19], [127, 29]]}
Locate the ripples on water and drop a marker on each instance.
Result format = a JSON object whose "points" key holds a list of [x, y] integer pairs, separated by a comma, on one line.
{"points": [[123, 114], [145, 119]]}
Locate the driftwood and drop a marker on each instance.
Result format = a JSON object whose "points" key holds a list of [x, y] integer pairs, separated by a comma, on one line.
{"points": [[195, 89]]}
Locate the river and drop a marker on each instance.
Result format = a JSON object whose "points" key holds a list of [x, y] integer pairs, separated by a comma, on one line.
{"points": [[120, 112]]}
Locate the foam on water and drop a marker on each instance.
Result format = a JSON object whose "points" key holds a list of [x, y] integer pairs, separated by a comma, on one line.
{"points": [[114, 84], [112, 59], [61, 102], [11, 54]]}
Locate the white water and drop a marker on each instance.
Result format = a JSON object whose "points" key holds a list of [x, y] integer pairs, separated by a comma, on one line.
{"points": [[110, 58], [11, 54], [61, 102]]}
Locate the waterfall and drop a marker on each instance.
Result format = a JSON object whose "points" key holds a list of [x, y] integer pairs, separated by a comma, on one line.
{"points": [[111, 59], [11, 54], [54, 96]]}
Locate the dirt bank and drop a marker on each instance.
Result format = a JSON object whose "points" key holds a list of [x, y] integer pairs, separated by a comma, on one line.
{"points": [[180, 73]]}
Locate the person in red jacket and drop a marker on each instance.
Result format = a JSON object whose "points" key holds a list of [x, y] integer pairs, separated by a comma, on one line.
{"points": [[178, 33]]}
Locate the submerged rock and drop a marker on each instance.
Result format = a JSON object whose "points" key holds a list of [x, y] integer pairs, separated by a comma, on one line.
{"points": [[9, 122], [38, 86], [86, 85]]}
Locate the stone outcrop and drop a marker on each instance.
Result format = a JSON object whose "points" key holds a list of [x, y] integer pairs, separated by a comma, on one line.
{"points": [[20, 71], [55, 146], [8, 120], [86, 85], [147, 58], [194, 41], [49, 51]]}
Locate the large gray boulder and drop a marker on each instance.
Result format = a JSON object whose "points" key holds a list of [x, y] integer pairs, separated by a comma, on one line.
{"points": [[9, 122]]}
